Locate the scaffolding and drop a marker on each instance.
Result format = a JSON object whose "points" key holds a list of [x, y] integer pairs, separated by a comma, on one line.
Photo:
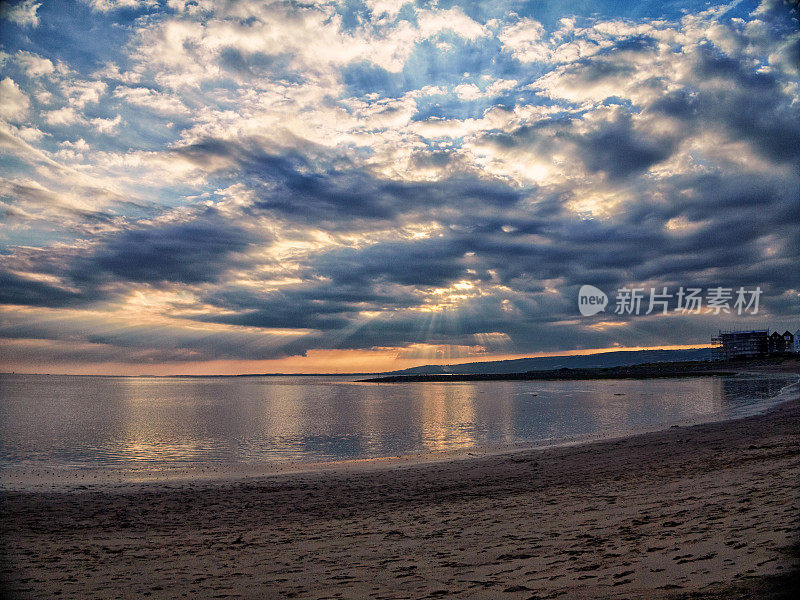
{"points": [[740, 344]]}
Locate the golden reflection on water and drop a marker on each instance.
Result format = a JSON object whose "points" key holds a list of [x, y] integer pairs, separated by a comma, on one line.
{"points": [[442, 416], [447, 415], [144, 436], [174, 421]]}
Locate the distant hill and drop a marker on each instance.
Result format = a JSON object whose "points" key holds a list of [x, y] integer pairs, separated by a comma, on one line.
{"points": [[588, 361]]}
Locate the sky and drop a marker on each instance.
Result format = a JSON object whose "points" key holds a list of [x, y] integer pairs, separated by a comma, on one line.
{"points": [[239, 186]]}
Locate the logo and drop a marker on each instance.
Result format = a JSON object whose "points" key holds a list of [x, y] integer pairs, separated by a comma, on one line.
{"points": [[591, 300], [687, 300]]}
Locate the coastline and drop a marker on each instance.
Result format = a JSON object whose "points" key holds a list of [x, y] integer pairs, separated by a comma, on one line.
{"points": [[657, 370], [709, 510]]}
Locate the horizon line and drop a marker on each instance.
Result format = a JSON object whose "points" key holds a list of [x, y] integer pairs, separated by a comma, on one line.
{"points": [[432, 362]]}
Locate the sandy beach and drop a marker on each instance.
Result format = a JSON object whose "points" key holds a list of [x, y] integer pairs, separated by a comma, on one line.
{"points": [[706, 511]]}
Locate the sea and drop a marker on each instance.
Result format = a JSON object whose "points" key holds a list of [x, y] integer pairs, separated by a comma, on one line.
{"points": [[159, 423]]}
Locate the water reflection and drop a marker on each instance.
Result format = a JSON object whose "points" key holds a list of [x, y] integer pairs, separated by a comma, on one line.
{"points": [[447, 415], [164, 422]]}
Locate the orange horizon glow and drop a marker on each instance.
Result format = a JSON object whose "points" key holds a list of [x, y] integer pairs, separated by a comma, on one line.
{"points": [[316, 362]]}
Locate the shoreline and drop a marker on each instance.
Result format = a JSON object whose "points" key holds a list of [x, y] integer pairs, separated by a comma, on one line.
{"points": [[704, 511], [76, 479], [653, 370]]}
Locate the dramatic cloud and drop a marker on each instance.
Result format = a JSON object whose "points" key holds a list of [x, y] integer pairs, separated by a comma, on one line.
{"points": [[192, 252], [203, 181], [23, 13]]}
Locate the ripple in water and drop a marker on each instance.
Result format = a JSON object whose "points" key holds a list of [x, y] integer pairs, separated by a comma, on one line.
{"points": [[156, 423]]}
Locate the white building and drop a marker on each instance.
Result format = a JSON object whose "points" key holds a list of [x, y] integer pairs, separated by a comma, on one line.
{"points": [[797, 341]]}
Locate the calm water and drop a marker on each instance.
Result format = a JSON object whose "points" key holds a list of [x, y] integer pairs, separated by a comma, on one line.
{"points": [[155, 423]]}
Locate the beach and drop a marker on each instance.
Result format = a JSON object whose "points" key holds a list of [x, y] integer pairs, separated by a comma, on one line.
{"points": [[703, 511]]}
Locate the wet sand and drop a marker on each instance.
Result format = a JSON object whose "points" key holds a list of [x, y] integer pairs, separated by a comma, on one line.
{"points": [[707, 511]]}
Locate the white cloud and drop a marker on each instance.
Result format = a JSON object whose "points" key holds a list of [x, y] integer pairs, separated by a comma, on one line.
{"points": [[31, 134], [63, 116], [501, 85], [81, 93], [385, 8], [157, 101], [525, 41], [106, 125], [23, 13], [10, 139], [786, 56], [109, 5], [432, 22], [43, 96], [468, 91], [79, 146], [33, 64], [112, 72], [187, 52], [191, 6], [14, 103]]}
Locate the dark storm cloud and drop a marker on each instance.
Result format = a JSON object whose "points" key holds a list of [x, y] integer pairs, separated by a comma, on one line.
{"points": [[281, 310], [744, 233], [82, 339], [635, 43], [27, 292], [395, 327], [633, 247], [425, 263], [194, 251], [636, 246], [58, 352], [617, 150], [613, 147], [748, 104], [318, 305], [599, 68], [293, 187], [257, 64]]}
